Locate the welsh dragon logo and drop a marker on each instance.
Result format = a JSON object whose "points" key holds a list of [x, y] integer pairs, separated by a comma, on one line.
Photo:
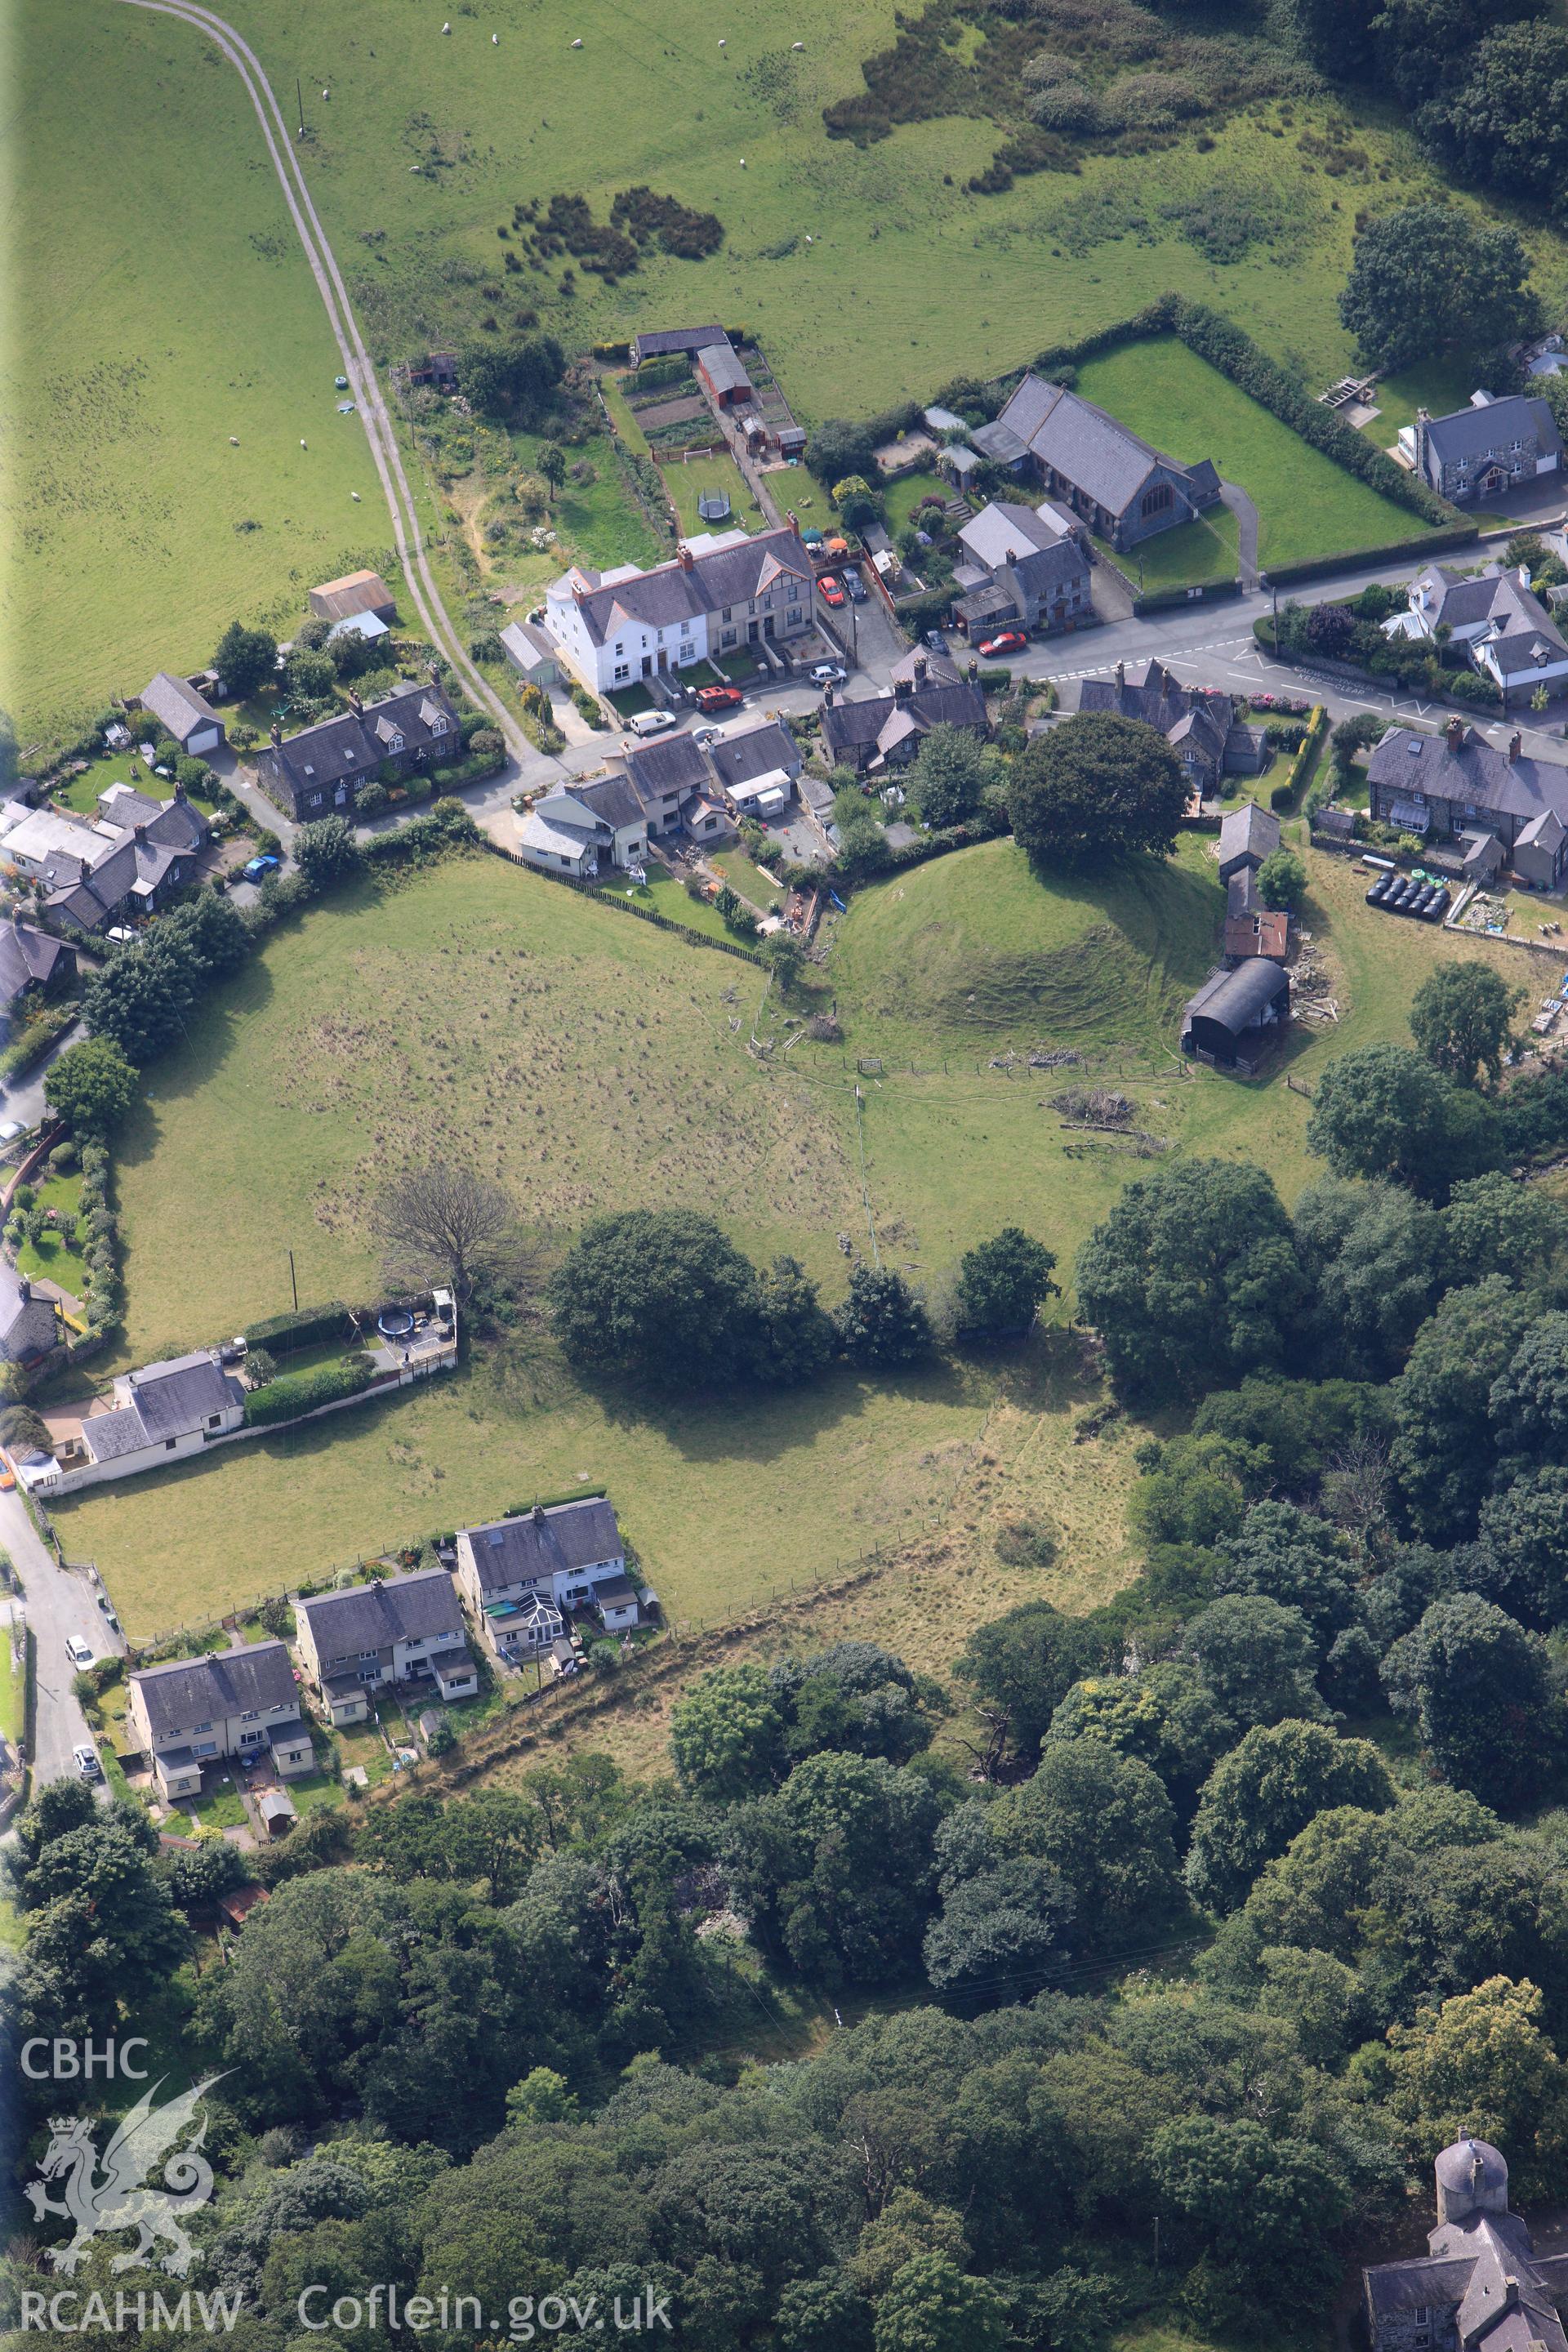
{"points": [[116, 2199]]}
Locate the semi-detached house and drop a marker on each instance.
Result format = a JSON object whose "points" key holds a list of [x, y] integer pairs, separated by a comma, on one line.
{"points": [[196, 1712], [396, 1629], [718, 593]]}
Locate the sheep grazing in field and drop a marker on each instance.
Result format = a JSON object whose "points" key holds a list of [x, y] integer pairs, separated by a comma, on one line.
{"points": [[357, 499], [797, 45], [234, 440], [495, 41], [446, 28], [302, 444], [577, 43]]}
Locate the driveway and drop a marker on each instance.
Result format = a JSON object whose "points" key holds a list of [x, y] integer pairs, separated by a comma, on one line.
{"points": [[24, 1099], [57, 1601]]}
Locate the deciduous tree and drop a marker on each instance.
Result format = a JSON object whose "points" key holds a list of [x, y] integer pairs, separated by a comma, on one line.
{"points": [[1097, 788]]}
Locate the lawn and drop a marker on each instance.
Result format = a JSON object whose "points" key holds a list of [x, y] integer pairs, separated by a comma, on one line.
{"points": [[128, 490], [723, 1500], [1439, 386], [48, 1256], [168, 308], [902, 497], [745, 876], [1307, 506], [671, 898], [1189, 556], [692, 478]]}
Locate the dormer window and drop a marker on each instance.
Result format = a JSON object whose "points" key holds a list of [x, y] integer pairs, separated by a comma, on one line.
{"points": [[397, 742], [438, 727]]}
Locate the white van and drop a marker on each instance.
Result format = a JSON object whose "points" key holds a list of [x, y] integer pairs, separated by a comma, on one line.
{"points": [[652, 722]]}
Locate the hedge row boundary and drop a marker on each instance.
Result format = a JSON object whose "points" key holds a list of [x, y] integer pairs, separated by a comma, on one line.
{"points": [[628, 906]]}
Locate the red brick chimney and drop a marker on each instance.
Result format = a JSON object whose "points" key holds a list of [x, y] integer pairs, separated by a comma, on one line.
{"points": [[356, 703], [277, 733], [1515, 746], [1455, 732], [684, 557]]}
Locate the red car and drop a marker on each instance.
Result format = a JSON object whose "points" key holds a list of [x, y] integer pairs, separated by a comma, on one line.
{"points": [[719, 698], [832, 593], [1010, 641]]}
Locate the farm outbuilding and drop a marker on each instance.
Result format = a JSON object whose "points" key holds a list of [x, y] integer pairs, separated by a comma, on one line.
{"points": [[1238, 1018], [356, 592], [723, 373]]}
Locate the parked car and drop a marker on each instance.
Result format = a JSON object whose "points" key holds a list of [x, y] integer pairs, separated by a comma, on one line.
{"points": [[86, 1763], [79, 1652], [1006, 641], [259, 869], [830, 590], [856, 587], [652, 722], [828, 673], [706, 735], [935, 640], [719, 698], [10, 1128]]}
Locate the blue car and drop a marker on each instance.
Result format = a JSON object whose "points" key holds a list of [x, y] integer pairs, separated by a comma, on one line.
{"points": [[260, 869]]}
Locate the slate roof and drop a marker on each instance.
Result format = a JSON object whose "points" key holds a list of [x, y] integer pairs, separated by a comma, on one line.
{"points": [[728, 574], [1004, 531], [885, 719], [668, 769], [179, 707], [610, 799], [1472, 433], [189, 1691], [27, 1319], [374, 1616], [178, 1395], [939, 669], [1153, 695], [27, 958], [109, 1436], [665, 340], [1473, 775], [1518, 631], [1093, 451], [1248, 832], [1480, 2279], [759, 751], [544, 832], [352, 746], [999, 441], [542, 1545]]}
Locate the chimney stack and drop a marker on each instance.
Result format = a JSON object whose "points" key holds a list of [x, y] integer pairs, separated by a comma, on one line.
{"points": [[1515, 746], [1122, 673], [23, 1289], [684, 557], [179, 791], [277, 733], [921, 668], [356, 703], [1455, 732]]}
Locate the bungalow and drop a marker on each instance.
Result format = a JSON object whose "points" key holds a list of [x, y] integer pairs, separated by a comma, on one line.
{"points": [[1458, 792], [397, 1629], [356, 592], [1023, 567], [194, 1712], [319, 772], [182, 713], [1122, 487], [720, 591], [518, 1574], [1496, 617], [1198, 722], [163, 1412], [1482, 450], [886, 730]]}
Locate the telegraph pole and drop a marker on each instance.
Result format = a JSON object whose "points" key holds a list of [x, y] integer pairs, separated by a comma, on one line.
{"points": [[300, 96]]}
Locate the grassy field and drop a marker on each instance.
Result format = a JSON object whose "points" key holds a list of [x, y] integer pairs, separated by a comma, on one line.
{"points": [[1307, 506], [724, 1500], [13, 1689], [169, 306]]}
